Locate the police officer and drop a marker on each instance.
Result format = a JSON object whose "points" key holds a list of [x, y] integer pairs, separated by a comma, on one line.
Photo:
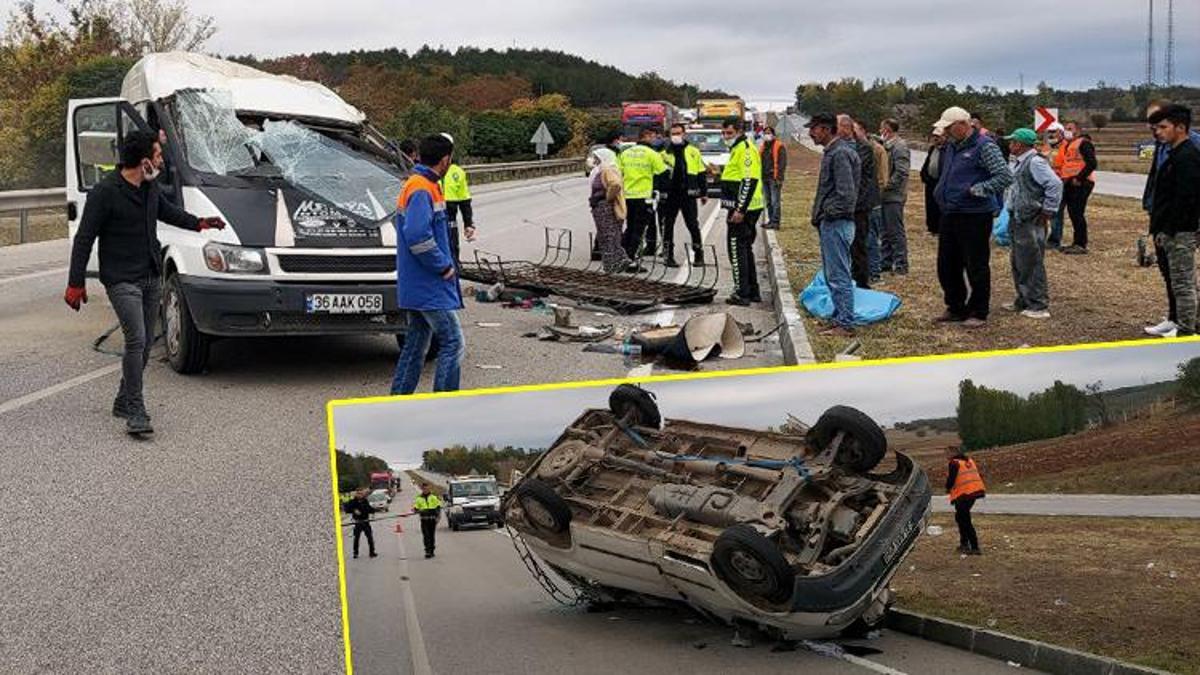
{"points": [[686, 184], [964, 486], [428, 506], [742, 197], [360, 509], [457, 193], [644, 171]]}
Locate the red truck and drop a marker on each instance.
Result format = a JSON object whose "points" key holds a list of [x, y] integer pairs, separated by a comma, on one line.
{"points": [[383, 480], [637, 115]]}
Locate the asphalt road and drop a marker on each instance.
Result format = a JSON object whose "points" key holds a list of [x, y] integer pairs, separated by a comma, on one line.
{"points": [[475, 608], [1107, 182], [210, 546], [1121, 506]]}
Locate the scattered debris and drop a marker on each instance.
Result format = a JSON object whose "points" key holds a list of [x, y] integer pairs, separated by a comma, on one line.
{"points": [[992, 623], [1059, 602], [976, 574], [935, 530], [1149, 565], [1172, 574], [1014, 664], [489, 366], [874, 635], [490, 294], [739, 641], [699, 338], [488, 324]]}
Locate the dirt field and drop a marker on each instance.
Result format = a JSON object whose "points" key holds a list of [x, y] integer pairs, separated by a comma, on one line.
{"points": [[1154, 455], [42, 227], [1099, 297], [1125, 588]]}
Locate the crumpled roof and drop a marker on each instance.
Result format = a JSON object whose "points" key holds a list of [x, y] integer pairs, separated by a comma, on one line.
{"points": [[156, 76]]}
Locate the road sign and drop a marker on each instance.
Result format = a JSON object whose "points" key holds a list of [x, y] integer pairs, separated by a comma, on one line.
{"points": [[788, 127], [542, 139], [1043, 117]]}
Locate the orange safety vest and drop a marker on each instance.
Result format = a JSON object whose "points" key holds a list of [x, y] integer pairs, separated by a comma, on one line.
{"points": [[775, 146], [418, 182], [968, 481], [1070, 160]]}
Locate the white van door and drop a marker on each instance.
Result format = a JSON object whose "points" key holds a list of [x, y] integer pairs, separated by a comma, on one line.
{"points": [[95, 127]]}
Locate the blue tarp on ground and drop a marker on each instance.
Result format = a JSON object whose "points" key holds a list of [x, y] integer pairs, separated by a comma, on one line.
{"points": [[869, 306]]}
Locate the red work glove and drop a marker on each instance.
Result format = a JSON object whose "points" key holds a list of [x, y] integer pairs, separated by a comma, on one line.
{"points": [[74, 296], [212, 223]]}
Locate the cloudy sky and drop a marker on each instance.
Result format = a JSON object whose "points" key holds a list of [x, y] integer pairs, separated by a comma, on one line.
{"points": [[760, 54], [400, 430]]}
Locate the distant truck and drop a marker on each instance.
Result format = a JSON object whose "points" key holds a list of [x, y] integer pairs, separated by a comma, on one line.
{"points": [[638, 115], [472, 500], [382, 480], [713, 111]]}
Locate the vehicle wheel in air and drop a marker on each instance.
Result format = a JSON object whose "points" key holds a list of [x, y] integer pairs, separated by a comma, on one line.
{"points": [[187, 347], [561, 459], [752, 566], [864, 444], [627, 397], [544, 508]]}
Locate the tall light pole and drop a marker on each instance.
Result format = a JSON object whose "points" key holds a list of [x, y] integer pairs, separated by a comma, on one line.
{"points": [[1150, 48], [1170, 43]]}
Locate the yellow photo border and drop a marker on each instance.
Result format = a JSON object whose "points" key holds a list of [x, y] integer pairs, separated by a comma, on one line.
{"points": [[331, 405]]}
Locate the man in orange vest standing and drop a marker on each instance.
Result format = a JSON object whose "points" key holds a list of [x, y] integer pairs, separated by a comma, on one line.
{"points": [[774, 166], [1077, 162], [426, 278], [965, 486]]}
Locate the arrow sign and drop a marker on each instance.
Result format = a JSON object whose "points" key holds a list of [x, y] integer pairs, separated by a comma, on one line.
{"points": [[542, 139], [1043, 117]]}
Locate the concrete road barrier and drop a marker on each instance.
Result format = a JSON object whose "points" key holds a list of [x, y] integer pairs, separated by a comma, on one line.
{"points": [[793, 338]]}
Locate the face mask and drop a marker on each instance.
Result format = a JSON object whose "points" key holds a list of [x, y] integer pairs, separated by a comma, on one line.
{"points": [[728, 141], [677, 140], [150, 173], [1068, 135], [768, 137]]}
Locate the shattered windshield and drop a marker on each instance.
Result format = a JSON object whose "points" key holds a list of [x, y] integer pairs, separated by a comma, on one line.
{"points": [[331, 170], [218, 142]]}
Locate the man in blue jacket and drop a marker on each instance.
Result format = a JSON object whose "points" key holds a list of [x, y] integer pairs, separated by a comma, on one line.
{"points": [[969, 192], [426, 281]]}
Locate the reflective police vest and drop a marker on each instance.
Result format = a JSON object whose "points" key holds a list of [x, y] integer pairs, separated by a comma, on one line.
{"points": [[694, 165], [967, 482], [744, 163], [1071, 162], [639, 165], [454, 184], [427, 506]]}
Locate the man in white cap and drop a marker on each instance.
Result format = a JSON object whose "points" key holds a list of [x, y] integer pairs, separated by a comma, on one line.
{"points": [[969, 192], [1052, 150]]}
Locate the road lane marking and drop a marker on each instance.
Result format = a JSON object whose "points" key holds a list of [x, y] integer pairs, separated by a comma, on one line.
{"points": [[416, 643], [33, 275], [666, 316], [22, 401]]}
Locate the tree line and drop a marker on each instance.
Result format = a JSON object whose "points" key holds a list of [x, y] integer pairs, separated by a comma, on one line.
{"points": [[354, 471], [918, 106], [459, 460], [993, 417]]}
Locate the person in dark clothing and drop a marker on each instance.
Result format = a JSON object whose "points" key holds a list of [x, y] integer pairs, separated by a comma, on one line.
{"points": [[408, 148], [964, 486], [930, 171], [360, 510], [123, 211], [868, 199], [686, 183], [1078, 162], [1175, 214]]}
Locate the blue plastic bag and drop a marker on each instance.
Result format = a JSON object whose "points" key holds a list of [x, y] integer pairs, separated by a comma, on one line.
{"points": [[1000, 233], [869, 306]]}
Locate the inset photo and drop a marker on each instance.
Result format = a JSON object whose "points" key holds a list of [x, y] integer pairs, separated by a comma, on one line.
{"points": [[951, 515]]}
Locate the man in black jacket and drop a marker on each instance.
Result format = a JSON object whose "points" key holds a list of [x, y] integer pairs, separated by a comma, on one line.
{"points": [[123, 211], [1175, 213], [360, 509], [868, 199]]}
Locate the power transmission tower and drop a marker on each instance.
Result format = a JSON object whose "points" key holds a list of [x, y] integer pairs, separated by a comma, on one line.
{"points": [[1170, 43], [1150, 48]]}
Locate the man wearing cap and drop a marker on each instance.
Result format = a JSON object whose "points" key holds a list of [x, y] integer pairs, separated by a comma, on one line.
{"points": [[1077, 161], [1032, 201], [833, 216], [969, 192], [1052, 150]]}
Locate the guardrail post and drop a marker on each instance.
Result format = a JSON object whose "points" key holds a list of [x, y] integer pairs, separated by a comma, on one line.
{"points": [[23, 217]]}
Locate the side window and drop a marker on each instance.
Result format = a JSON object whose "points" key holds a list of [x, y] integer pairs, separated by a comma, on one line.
{"points": [[98, 132], [96, 140]]}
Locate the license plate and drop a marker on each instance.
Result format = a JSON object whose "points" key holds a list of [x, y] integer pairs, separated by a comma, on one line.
{"points": [[343, 303]]}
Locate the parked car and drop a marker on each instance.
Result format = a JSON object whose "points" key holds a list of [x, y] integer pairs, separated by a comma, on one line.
{"points": [[789, 531], [379, 499], [472, 500]]}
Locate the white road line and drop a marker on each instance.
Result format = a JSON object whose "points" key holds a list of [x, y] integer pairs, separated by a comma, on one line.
{"points": [[416, 643], [666, 316], [33, 275], [22, 401]]}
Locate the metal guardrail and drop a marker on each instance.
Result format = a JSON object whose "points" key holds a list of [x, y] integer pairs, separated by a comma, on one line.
{"points": [[22, 202]]}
